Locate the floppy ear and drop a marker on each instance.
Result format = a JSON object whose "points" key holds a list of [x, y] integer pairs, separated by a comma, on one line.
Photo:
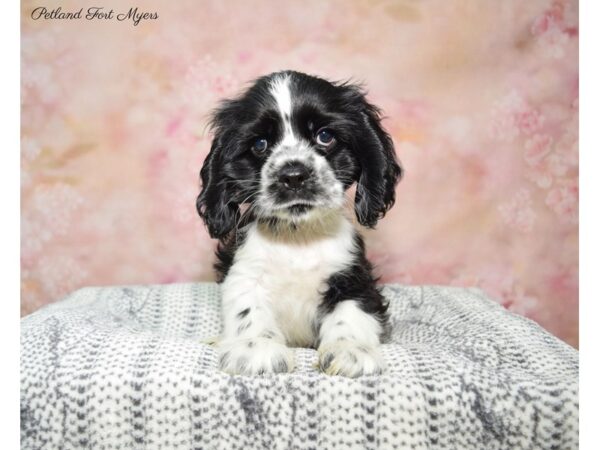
{"points": [[379, 169], [216, 204]]}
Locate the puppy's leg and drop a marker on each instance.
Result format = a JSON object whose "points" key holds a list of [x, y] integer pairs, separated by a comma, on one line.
{"points": [[252, 343], [349, 342]]}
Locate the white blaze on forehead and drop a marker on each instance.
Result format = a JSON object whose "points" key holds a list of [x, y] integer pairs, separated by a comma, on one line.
{"points": [[280, 89]]}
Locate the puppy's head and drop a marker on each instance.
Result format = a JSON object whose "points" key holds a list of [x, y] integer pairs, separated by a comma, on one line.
{"points": [[290, 147]]}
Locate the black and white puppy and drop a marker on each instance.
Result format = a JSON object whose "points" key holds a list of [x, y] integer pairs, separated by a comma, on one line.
{"points": [[291, 264]]}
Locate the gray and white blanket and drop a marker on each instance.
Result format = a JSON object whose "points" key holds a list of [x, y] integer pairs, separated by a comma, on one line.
{"points": [[126, 367]]}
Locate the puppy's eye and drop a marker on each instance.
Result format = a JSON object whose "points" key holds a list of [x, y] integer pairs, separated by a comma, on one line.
{"points": [[260, 145], [325, 138]]}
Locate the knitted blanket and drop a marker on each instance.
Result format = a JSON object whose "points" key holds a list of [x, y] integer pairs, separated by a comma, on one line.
{"points": [[126, 367]]}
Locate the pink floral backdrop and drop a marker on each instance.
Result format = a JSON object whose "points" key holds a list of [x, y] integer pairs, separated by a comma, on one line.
{"points": [[481, 99]]}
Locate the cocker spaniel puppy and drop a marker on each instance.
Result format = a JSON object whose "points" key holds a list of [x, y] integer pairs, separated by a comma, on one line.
{"points": [[291, 263]]}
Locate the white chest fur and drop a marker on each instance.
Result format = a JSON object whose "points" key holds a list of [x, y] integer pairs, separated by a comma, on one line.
{"points": [[287, 273]]}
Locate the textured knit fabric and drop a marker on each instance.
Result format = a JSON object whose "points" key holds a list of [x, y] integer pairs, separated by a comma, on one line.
{"points": [[128, 368]]}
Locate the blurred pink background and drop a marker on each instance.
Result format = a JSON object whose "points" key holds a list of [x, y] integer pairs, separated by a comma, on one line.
{"points": [[481, 98]]}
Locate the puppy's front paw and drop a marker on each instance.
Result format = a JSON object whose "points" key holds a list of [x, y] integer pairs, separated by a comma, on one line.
{"points": [[350, 359], [254, 356]]}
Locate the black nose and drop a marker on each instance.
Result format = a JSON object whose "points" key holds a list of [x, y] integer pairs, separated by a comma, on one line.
{"points": [[293, 175]]}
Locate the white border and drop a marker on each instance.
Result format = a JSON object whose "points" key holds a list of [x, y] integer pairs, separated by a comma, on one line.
{"points": [[589, 219], [589, 242], [9, 233]]}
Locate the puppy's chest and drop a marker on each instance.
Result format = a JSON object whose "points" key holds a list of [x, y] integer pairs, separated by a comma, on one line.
{"points": [[293, 277]]}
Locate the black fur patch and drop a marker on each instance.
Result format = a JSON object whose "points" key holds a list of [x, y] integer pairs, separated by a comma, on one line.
{"points": [[243, 313], [357, 283], [225, 253]]}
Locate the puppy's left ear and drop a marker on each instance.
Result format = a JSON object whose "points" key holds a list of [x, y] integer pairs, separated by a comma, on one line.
{"points": [[380, 171]]}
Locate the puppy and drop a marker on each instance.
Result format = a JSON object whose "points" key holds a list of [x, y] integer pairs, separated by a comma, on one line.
{"points": [[291, 264]]}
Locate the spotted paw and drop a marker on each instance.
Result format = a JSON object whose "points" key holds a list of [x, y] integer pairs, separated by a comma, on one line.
{"points": [[350, 359], [254, 356]]}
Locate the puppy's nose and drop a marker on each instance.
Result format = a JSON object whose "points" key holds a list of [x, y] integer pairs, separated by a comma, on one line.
{"points": [[293, 175]]}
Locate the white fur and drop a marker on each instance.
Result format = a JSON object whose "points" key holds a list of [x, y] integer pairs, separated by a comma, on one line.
{"points": [[347, 358], [349, 341], [255, 356], [271, 295], [332, 197], [281, 280], [348, 321], [280, 90]]}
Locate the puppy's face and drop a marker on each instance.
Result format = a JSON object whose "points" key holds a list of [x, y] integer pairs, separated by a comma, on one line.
{"points": [[290, 147]]}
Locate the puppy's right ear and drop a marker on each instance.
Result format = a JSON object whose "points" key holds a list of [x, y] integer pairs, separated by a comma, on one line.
{"points": [[215, 204]]}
